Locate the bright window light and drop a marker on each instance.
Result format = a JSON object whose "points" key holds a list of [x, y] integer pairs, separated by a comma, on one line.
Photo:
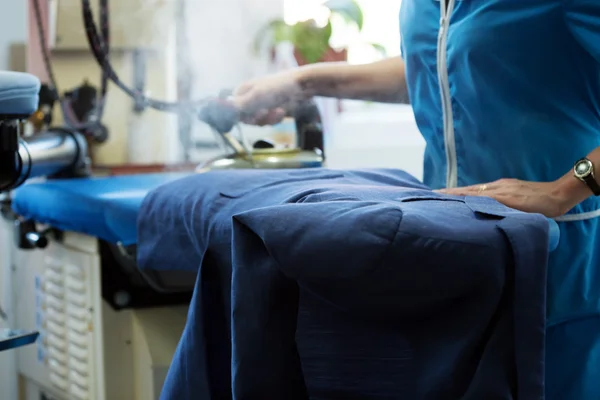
{"points": [[380, 26]]}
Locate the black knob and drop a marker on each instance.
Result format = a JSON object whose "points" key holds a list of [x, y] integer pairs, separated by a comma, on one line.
{"points": [[27, 237], [36, 240], [263, 144], [99, 133], [83, 100]]}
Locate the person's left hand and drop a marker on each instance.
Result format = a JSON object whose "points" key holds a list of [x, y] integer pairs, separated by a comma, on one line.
{"points": [[534, 197]]}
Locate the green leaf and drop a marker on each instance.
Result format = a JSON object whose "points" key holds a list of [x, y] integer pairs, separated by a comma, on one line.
{"points": [[379, 48], [311, 41], [348, 9]]}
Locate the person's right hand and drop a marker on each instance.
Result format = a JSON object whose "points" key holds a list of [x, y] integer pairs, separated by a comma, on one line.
{"points": [[267, 100]]}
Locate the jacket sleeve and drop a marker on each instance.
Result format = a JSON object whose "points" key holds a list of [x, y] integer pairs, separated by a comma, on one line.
{"points": [[583, 20]]}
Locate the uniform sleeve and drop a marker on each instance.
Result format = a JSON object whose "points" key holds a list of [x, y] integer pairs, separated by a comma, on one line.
{"points": [[583, 20]]}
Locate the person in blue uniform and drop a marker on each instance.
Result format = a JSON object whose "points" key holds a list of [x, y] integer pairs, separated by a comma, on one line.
{"points": [[507, 96]]}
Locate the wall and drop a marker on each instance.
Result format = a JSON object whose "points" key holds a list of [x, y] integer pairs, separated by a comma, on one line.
{"points": [[393, 139], [13, 32], [219, 35], [143, 138], [138, 138]]}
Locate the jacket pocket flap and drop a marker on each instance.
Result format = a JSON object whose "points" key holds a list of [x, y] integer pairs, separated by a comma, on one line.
{"points": [[248, 181]]}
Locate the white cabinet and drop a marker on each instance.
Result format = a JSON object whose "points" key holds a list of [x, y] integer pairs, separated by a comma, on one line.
{"points": [[59, 295], [87, 350], [8, 373]]}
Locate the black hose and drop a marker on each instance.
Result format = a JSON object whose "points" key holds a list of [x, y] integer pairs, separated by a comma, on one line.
{"points": [[104, 19], [100, 52]]}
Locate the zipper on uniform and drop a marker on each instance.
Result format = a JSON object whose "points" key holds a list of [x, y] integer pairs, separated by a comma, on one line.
{"points": [[446, 8]]}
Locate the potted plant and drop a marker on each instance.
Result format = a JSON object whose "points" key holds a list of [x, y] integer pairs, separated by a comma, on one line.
{"points": [[312, 42]]}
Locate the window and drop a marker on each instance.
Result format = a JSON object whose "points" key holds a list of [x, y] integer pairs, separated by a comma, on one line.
{"points": [[380, 26]]}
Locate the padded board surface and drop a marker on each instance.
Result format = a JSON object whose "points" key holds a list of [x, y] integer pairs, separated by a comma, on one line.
{"points": [[106, 208], [19, 93]]}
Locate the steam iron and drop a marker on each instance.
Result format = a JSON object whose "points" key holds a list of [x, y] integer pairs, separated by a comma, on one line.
{"points": [[309, 153]]}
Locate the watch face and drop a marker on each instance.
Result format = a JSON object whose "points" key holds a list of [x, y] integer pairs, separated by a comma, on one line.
{"points": [[583, 168]]}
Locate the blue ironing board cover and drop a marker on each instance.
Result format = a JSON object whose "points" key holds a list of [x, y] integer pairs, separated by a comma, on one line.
{"points": [[19, 93], [375, 245], [106, 207]]}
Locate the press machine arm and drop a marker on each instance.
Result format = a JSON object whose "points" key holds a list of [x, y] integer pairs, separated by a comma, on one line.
{"points": [[55, 152]]}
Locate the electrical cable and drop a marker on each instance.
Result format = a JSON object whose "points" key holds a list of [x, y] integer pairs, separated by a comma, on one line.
{"points": [[105, 30], [67, 113], [99, 47]]}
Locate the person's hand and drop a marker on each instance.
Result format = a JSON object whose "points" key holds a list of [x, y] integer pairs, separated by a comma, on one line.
{"points": [[535, 197], [265, 101]]}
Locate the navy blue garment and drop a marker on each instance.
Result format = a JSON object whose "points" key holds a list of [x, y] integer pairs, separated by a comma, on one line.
{"points": [[331, 284]]}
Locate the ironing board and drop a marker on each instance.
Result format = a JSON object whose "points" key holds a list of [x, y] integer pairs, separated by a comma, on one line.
{"points": [[19, 95], [106, 208]]}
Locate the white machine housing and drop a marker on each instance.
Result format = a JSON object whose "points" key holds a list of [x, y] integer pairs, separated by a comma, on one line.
{"points": [[86, 350]]}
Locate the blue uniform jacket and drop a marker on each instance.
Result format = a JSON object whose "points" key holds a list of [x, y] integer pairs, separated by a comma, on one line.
{"points": [[511, 89], [403, 293]]}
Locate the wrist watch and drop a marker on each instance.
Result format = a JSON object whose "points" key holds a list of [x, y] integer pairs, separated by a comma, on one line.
{"points": [[584, 171]]}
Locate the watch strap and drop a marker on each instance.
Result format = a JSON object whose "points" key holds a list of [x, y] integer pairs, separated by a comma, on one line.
{"points": [[591, 182]]}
